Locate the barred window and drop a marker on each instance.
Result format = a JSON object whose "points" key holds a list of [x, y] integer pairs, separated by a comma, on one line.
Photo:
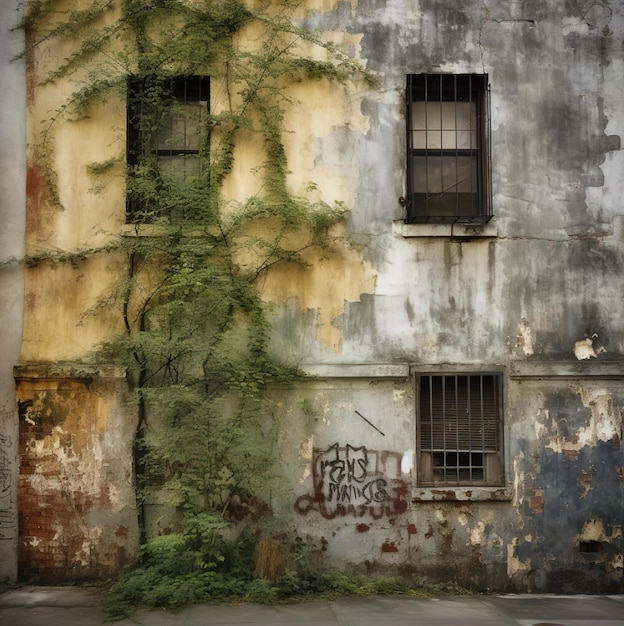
{"points": [[448, 152], [166, 121], [460, 429]]}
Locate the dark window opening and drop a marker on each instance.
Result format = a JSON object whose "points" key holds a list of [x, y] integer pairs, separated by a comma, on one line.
{"points": [[166, 139], [448, 152], [459, 429], [590, 546]]}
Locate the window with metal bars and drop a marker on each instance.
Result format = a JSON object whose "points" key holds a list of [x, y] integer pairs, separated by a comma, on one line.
{"points": [[166, 121], [448, 151], [459, 429]]}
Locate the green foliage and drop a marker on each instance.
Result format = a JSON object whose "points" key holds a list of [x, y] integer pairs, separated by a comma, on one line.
{"points": [[155, 586], [197, 564], [196, 340]]}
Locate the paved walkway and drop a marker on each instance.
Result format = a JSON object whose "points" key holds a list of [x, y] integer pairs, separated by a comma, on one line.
{"points": [[69, 606]]}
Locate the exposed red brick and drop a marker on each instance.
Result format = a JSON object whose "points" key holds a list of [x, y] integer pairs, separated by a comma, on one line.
{"points": [[571, 454], [412, 530], [363, 528]]}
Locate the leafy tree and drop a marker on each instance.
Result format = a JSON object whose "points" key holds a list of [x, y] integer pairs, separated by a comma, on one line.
{"points": [[196, 335]]}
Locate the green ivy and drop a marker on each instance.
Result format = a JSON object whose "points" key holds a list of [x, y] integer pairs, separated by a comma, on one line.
{"points": [[196, 340]]}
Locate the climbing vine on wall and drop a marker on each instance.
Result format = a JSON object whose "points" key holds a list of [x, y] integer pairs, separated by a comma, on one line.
{"points": [[195, 339]]}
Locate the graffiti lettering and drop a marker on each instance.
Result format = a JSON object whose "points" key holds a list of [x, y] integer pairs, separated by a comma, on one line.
{"points": [[7, 517], [355, 481]]}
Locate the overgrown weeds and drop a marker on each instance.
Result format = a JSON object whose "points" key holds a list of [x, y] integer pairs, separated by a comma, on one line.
{"points": [[149, 587], [178, 570]]}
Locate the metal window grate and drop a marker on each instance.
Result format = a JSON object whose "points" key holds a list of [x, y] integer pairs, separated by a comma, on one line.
{"points": [[448, 151], [459, 428]]}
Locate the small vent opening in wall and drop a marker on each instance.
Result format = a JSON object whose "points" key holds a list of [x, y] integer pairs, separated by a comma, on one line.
{"points": [[590, 546]]}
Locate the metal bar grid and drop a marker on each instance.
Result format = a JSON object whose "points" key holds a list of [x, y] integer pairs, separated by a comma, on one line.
{"points": [[459, 427]]}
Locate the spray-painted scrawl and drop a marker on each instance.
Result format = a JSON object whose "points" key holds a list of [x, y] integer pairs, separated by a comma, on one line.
{"points": [[7, 516], [355, 481]]}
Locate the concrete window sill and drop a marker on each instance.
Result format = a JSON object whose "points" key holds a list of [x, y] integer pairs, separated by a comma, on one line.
{"points": [[357, 370], [461, 494], [453, 231]]}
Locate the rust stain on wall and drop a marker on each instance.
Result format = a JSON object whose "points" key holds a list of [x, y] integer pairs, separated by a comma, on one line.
{"points": [[36, 189], [389, 546]]}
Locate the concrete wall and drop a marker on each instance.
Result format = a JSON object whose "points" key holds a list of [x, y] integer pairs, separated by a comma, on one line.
{"points": [[514, 296], [12, 202]]}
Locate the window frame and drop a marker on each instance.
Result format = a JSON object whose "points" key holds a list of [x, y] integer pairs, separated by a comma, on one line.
{"points": [[492, 460], [143, 144], [420, 204]]}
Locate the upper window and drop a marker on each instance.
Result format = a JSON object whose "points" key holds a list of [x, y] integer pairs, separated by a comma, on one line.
{"points": [[166, 136], [459, 430], [448, 156]]}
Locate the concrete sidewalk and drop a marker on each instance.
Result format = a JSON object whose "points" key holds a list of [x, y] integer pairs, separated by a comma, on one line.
{"points": [[70, 606]]}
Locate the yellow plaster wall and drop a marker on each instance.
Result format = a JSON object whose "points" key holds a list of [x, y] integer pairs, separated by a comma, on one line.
{"points": [[91, 209], [58, 324], [87, 212]]}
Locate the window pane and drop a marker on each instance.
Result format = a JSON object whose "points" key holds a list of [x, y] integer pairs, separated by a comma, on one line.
{"points": [[433, 114], [449, 175], [419, 140], [449, 111], [434, 139], [418, 118], [167, 127], [181, 128], [180, 166], [465, 115], [419, 174], [467, 139], [449, 140], [447, 167], [466, 174]]}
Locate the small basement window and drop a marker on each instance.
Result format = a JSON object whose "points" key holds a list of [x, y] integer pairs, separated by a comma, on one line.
{"points": [[448, 160], [459, 429], [590, 546]]}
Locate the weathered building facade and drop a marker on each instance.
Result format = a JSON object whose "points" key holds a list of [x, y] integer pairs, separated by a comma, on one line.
{"points": [[12, 199], [464, 421]]}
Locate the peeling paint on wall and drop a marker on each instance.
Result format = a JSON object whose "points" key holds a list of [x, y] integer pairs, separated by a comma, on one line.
{"points": [[325, 286], [599, 423], [7, 515], [585, 349], [525, 338], [76, 517]]}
